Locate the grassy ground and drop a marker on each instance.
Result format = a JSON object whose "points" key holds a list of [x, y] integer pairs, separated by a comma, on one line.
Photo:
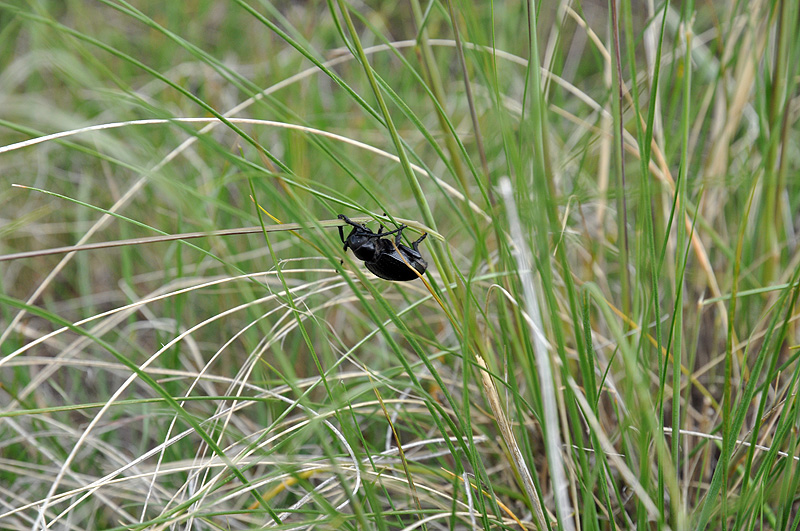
{"points": [[605, 336]]}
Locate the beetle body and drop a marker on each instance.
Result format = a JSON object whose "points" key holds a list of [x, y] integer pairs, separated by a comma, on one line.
{"points": [[380, 255]]}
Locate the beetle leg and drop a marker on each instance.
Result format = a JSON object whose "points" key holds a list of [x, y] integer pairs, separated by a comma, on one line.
{"points": [[395, 231], [349, 221], [399, 234], [380, 229], [415, 245], [381, 233]]}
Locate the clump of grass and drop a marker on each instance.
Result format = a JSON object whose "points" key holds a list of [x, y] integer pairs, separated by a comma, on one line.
{"points": [[604, 337]]}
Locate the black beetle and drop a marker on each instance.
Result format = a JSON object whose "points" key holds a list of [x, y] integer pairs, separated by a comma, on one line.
{"points": [[380, 256]]}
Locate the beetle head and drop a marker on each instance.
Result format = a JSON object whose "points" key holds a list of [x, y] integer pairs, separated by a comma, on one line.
{"points": [[363, 242]]}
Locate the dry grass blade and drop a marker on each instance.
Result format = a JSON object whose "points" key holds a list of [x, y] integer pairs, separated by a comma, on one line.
{"points": [[511, 443]]}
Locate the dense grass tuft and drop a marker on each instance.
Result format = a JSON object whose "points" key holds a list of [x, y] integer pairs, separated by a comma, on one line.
{"points": [[605, 336]]}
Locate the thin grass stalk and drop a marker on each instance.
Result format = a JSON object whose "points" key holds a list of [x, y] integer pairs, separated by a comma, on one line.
{"points": [[771, 215], [553, 446], [650, 263], [434, 79], [470, 100], [681, 258], [617, 105]]}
